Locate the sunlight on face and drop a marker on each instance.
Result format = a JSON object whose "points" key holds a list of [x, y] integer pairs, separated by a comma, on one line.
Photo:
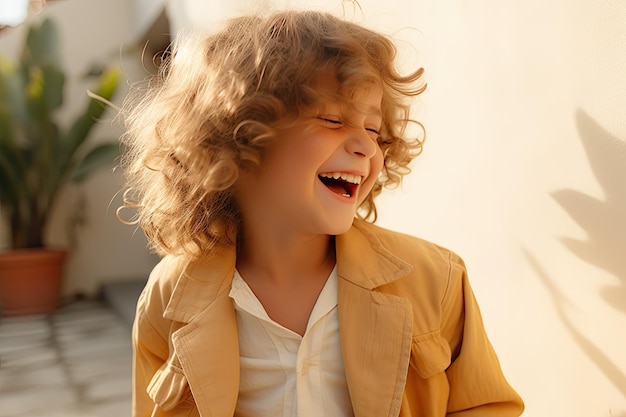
{"points": [[315, 174]]}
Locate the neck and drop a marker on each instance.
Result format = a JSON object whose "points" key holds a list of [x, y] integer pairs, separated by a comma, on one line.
{"points": [[284, 257]]}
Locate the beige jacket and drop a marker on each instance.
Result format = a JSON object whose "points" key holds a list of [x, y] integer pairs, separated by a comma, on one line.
{"points": [[411, 331]]}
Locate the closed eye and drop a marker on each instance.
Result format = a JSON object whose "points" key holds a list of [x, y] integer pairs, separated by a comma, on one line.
{"points": [[333, 123], [373, 133], [336, 123]]}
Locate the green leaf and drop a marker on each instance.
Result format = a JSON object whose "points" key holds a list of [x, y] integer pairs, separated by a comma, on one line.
{"points": [[107, 84], [99, 157], [11, 158], [53, 83], [42, 45], [9, 171], [7, 133], [78, 133], [44, 93], [12, 100]]}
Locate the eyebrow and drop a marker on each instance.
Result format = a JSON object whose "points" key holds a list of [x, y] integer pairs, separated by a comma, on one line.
{"points": [[343, 103], [364, 109]]}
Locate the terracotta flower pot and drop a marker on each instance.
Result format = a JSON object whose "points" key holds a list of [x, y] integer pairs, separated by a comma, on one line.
{"points": [[30, 281]]}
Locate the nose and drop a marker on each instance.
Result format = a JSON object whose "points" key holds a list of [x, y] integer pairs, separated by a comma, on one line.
{"points": [[361, 144]]}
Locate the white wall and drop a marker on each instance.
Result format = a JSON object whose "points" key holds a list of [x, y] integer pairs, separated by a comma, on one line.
{"points": [[144, 14], [523, 174], [104, 250]]}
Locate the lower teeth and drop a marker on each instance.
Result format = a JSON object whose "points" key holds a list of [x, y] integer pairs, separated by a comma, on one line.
{"points": [[346, 195]]}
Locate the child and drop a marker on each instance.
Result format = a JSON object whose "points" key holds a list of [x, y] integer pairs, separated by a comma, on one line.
{"points": [[254, 158]]}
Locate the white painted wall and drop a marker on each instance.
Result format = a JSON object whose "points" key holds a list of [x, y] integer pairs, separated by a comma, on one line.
{"points": [[523, 174], [144, 14]]}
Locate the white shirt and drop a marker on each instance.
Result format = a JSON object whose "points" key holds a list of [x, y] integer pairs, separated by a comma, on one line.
{"points": [[283, 373]]}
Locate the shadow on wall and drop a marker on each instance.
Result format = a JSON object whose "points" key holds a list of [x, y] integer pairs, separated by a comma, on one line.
{"points": [[609, 368], [604, 221], [605, 225]]}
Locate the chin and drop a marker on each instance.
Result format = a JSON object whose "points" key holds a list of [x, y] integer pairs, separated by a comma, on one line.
{"points": [[339, 228]]}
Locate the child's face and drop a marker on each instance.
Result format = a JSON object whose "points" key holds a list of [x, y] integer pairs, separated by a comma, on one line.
{"points": [[314, 175]]}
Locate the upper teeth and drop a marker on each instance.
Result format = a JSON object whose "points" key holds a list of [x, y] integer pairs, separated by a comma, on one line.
{"points": [[354, 179]]}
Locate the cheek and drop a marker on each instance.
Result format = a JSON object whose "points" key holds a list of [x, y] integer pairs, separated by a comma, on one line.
{"points": [[377, 161], [376, 165]]}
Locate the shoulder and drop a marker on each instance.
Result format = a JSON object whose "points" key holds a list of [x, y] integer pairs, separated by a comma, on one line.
{"points": [[150, 329], [422, 254], [435, 281], [180, 286], [157, 293], [163, 279]]}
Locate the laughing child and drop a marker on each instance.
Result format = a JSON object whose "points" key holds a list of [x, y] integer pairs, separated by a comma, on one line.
{"points": [[253, 160]]}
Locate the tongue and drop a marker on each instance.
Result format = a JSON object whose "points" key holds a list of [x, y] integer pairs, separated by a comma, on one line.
{"points": [[337, 189], [336, 186]]}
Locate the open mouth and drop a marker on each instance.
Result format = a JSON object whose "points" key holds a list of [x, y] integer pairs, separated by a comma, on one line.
{"points": [[341, 183]]}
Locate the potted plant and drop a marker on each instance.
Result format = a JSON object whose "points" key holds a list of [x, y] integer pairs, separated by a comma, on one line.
{"points": [[37, 160]]}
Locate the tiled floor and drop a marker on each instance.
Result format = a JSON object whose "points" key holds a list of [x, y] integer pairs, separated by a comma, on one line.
{"points": [[76, 362]]}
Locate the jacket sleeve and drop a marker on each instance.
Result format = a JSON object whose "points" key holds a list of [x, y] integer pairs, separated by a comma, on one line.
{"points": [[477, 384], [150, 347]]}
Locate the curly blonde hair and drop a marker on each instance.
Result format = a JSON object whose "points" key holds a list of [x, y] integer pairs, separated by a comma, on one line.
{"points": [[218, 99]]}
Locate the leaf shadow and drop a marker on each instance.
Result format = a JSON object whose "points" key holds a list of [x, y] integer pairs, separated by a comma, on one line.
{"points": [[604, 221], [611, 370]]}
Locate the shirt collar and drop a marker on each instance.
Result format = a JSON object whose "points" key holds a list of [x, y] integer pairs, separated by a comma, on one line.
{"points": [[245, 299]]}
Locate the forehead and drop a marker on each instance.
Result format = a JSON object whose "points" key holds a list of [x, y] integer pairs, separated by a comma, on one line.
{"points": [[366, 97]]}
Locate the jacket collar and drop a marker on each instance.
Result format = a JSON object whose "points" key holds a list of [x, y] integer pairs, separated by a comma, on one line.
{"points": [[361, 260], [201, 282], [364, 261], [376, 328]]}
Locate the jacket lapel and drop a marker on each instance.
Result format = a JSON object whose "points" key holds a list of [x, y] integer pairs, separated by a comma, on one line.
{"points": [[376, 328], [207, 346]]}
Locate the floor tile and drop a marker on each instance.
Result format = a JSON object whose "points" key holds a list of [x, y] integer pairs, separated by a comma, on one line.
{"points": [[76, 362], [106, 389], [29, 402]]}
